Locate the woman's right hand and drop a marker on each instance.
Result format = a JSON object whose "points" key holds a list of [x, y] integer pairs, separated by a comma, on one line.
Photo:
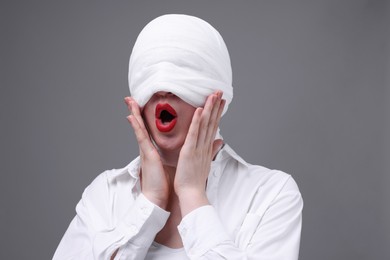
{"points": [[154, 181]]}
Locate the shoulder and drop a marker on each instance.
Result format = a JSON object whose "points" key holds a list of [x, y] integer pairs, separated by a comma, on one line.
{"points": [[233, 164], [262, 184], [103, 187], [274, 188], [271, 180], [102, 193], [109, 178]]}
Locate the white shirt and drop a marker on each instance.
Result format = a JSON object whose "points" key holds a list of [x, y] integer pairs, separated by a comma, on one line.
{"points": [[161, 252], [254, 213]]}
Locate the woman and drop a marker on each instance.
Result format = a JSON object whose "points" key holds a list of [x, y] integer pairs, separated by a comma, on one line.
{"points": [[188, 195]]}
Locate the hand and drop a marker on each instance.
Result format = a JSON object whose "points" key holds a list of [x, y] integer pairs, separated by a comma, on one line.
{"points": [[154, 181], [197, 153]]}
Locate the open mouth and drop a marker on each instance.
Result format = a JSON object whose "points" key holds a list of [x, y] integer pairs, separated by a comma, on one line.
{"points": [[166, 117]]}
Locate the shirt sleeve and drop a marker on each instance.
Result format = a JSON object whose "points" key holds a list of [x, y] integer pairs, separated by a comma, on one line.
{"points": [[95, 234], [273, 236]]}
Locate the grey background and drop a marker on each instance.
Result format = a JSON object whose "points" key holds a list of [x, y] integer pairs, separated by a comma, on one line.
{"points": [[312, 98]]}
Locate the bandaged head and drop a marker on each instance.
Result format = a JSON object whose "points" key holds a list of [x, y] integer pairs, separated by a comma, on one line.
{"points": [[183, 55]]}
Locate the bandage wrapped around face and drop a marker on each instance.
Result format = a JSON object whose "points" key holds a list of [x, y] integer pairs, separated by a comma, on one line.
{"points": [[183, 55]]}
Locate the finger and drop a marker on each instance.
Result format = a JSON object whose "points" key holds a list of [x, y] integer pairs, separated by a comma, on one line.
{"points": [[216, 121], [137, 114], [133, 108], [143, 140], [213, 121], [193, 131], [127, 101], [205, 118]]}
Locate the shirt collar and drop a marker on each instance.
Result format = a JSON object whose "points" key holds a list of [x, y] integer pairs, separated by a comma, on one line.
{"points": [[227, 152], [133, 167]]}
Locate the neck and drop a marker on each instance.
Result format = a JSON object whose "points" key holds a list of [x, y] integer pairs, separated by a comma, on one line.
{"points": [[169, 158]]}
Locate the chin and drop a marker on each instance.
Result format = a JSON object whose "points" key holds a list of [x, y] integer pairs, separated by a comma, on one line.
{"points": [[170, 144]]}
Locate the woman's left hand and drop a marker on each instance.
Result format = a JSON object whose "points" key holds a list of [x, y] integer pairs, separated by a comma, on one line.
{"points": [[197, 153]]}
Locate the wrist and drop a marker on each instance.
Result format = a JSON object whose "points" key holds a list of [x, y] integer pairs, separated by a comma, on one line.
{"points": [[156, 200], [191, 199]]}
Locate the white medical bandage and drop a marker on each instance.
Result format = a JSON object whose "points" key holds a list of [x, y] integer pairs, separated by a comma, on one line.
{"points": [[180, 54]]}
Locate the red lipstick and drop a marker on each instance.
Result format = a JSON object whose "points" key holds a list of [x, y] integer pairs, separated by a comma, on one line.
{"points": [[166, 117]]}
